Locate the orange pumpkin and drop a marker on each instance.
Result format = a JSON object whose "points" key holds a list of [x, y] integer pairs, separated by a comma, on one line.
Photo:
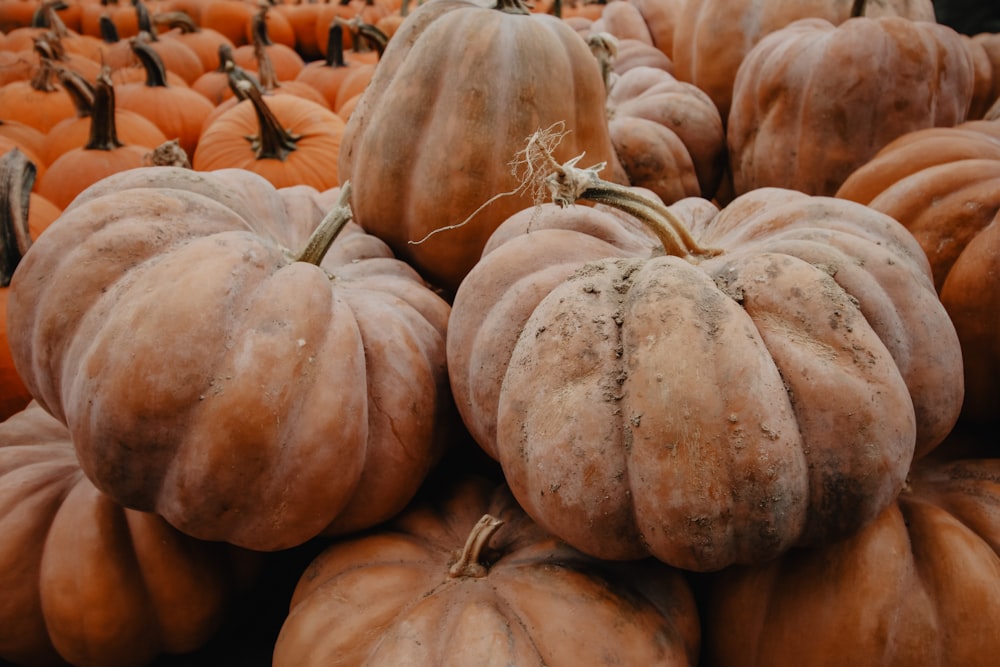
{"points": [[322, 406], [102, 155], [91, 583], [466, 578], [919, 587], [286, 139], [747, 380]]}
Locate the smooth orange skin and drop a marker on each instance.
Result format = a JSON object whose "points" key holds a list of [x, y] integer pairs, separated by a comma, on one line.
{"points": [[919, 587], [387, 599], [710, 411], [943, 185], [87, 581]]}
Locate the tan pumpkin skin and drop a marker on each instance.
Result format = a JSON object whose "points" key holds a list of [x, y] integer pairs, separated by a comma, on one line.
{"points": [[388, 599], [455, 96], [919, 587], [87, 581], [270, 402], [943, 185], [712, 37], [667, 134], [708, 412], [813, 101]]}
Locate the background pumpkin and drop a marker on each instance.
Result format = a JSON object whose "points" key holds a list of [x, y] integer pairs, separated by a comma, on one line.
{"points": [[89, 582], [409, 593], [322, 409], [920, 587], [943, 185], [712, 37], [580, 359], [808, 108], [477, 81]]}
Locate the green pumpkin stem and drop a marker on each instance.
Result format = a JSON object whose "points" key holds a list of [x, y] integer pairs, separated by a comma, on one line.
{"points": [[469, 563], [328, 229], [17, 177]]}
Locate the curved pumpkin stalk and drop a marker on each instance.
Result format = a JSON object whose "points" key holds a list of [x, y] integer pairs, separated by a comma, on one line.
{"points": [[273, 140], [470, 562], [328, 229], [17, 177], [568, 183]]}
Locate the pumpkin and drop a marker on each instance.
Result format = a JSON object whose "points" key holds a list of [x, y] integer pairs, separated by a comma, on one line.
{"points": [[89, 582], [744, 381], [179, 111], [130, 127], [39, 102], [667, 134], [286, 139], [919, 587], [21, 220], [712, 37], [103, 153], [205, 42], [246, 392], [808, 107], [479, 80], [284, 59], [466, 578], [943, 185]]}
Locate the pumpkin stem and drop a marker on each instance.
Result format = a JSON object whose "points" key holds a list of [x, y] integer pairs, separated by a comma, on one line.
{"points": [[178, 20], [80, 91], [568, 183], [273, 141], [17, 177], [469, 563], [108, 30], [335, 46], [604, 46], [858, 8], [145, 21], [156, 71], [512, 7], [103, 128], [46, 77], [329, 228]]}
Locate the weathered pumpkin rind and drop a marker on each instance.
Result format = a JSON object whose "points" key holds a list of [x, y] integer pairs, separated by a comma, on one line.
{"points": [[919, 587], [271, 402], [712, 412], [813, 101], [457, 93], [87, 581], [387, 598]]}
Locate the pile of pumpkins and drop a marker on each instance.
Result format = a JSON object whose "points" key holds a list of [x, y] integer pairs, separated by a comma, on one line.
{"points": [[642, 332]]}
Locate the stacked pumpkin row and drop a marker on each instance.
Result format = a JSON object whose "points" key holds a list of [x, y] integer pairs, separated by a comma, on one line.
{"points": [[708, 399]]}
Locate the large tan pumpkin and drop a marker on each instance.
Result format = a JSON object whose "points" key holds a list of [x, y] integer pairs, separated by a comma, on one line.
{"points": [[88, 582], [709, 398], [814, 101], [207, 372], [711, 37], [466, 578], [457, 92]]}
